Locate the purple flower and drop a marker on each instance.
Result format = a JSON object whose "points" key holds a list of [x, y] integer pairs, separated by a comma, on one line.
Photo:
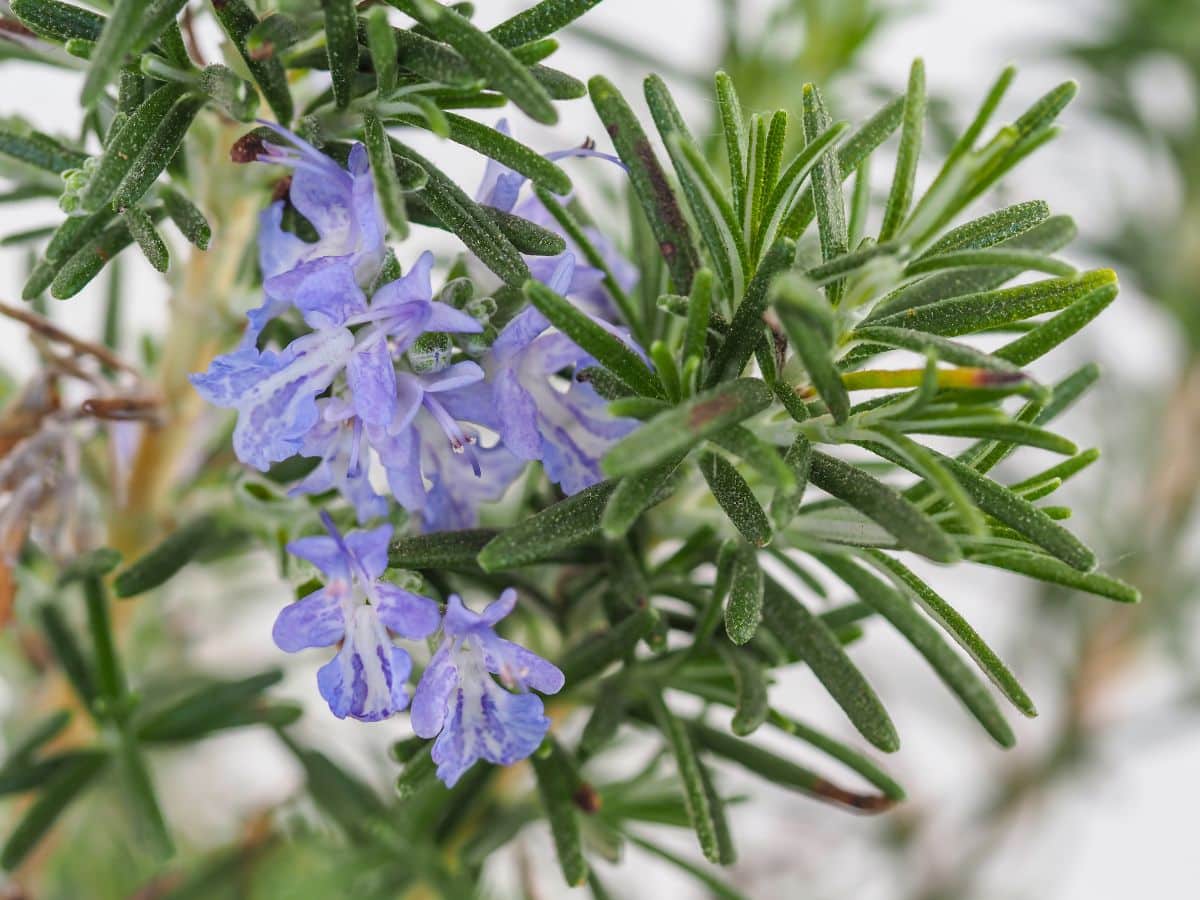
{"points": [[338, 442], [501, 188], [366, 679], [436, 468], [342, 207], [459, 702], [542, 415], [275, 393]]}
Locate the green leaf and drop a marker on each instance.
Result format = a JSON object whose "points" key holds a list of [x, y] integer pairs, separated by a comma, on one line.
{"points": [[994, 228], [93, 564], [57, 21], [556, 785], [211, 707], [593, 655], [900, 197], [1017, 259], [341, 43], [884, 505], [707, 817], [154, 156], [758, 454], [751, 684], [387, 183], [854, 150], [675, 431], [167, 557], [919, 632], [116, 40], [829, 203], [747, 328], [453, 550], [633, 495], [733, 127], [40, 150], [783, 196], [67, 652], [1049, 334], [381, 41], [110, 678], [525, 235], [238, 20], [578, 235], [58, 793], [649, 182], [706, 199], [993, 309], [743, 610], [467, 219], [1022, 516], [942, 348], [608, 349], [957, 627], [1052, 234], [783, 772], [699, 314], [139, 793], [810, 639], [126, 147], [784, 503], [486, 56], [568, 523], [506, 150], [142, 229], [75, 273], [608, 712], [735, 498], [187, 218], [1048, 569], [848, 756], [539, 21], [806, 319]]}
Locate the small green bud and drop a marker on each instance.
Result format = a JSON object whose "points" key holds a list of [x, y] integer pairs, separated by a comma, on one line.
{"points": [[457, 292], [431, 352]]}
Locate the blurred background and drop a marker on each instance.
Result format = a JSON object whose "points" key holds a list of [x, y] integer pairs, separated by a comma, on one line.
{"points": [[1097, 799]]}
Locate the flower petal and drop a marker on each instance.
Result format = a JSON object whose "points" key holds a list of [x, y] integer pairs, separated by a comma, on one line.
{"points": [[370, 548], [371, 377], [432, 696], [324, 290], [313, 621], [324, 553], [407, 614]]}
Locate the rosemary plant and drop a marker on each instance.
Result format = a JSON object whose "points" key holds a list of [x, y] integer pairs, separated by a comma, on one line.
{"points": [[656, 463]]}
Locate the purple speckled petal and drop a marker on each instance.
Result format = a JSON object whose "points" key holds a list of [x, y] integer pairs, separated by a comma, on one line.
{"points": [[486, 722], [415, 285], [324, 290], [518, 667], [275, 413], [407, 614], [365, 680], [370, 548], [324, 553], [432, 696], [499, 608], [313, 621], [446, 318], [278, 250], [453, 378], [371, 377]]}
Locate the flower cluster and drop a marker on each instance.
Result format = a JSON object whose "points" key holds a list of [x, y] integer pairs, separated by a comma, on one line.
{"points": [[457, 700], [363, 384], [385, 376]]}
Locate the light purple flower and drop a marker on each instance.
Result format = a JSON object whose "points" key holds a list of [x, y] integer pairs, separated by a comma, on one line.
{"points": [[501, 188], [342, 206], [338, 442], [459, 702], [275, 393], [366, 679], [542, 415], [436, 467]]}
